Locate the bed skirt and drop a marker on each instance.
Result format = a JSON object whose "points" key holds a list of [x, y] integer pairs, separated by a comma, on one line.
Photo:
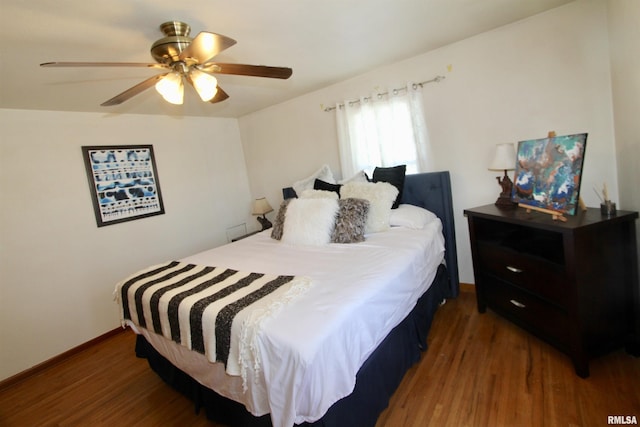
{"points": [[376, 380]]}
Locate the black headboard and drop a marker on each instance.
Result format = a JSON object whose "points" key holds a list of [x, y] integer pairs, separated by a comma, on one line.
{"points": [[431, 191]]}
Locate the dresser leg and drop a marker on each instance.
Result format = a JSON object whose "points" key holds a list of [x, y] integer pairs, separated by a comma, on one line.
{"points": [[482, 305], [632, 346], [480, 301], [582, 369]]}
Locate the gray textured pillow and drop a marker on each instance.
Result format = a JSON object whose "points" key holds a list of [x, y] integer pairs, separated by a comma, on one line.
{"points": [[351, 221], [278, 223]]}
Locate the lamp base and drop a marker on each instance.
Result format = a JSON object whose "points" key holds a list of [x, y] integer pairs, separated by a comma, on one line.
{"points": [[266, 224], [504, 201]]}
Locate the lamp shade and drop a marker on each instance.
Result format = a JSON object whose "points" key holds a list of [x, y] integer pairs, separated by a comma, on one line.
{"points": [[171, 88], [261, 206], [206, 85], [504, 159]]}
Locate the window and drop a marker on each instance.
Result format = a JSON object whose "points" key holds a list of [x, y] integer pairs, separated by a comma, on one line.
{"points": [[383, 130]]}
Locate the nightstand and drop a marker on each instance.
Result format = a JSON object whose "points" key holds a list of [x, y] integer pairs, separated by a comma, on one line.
{"points": [[573, 284]]}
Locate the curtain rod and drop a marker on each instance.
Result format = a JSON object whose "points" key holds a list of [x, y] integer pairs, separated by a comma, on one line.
{"points": [[436, 79]]}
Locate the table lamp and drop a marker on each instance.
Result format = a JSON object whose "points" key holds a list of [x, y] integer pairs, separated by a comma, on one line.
{"points": [[261, 207], [504, 159]]}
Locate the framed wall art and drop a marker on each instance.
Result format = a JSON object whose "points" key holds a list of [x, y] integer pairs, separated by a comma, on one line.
{"points": [[123, 180], [548, 172]]}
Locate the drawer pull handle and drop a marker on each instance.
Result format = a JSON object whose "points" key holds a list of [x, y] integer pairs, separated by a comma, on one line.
{"points": [[517, 303], [514, 270]]}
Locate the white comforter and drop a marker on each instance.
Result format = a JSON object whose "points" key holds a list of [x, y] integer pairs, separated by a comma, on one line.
{"points": [[310, 353]]}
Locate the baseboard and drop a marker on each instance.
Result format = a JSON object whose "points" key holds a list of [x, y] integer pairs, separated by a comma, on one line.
{"points": [[8, 382]]}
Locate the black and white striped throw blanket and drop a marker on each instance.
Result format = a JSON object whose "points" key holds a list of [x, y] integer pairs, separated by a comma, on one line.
{"points": [[215, 311]]}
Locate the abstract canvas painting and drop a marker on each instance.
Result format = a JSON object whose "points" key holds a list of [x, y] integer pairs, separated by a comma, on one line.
{"points": [[549, 171], [124, 182]]}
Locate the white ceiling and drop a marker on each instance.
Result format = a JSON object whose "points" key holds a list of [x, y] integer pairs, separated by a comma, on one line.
{"points": [[324, 41]]}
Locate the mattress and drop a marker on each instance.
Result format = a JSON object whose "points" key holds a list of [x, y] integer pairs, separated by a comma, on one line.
{"points": [[312, 350]]}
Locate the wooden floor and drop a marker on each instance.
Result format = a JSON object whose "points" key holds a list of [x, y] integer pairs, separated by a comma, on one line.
{"points": [[479, 371]]}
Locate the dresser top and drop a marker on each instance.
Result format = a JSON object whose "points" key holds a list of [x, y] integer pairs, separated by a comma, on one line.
{"points": [[518, 215]]}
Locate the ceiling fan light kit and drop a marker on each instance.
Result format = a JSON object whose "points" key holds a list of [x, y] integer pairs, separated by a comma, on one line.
{"points": [[171, 88], [206, 85], [184, 58]]}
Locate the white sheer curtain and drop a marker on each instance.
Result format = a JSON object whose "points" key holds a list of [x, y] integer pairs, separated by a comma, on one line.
{"points": [[384, 130]]}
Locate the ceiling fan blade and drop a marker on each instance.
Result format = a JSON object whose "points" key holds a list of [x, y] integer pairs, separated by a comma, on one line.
{"points": [[205, 46], [248, 70], [103, 64], [133, 91], [221, 95]]}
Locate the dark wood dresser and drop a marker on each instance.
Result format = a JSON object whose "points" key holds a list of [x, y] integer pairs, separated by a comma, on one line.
{"points": [[573, 284]]}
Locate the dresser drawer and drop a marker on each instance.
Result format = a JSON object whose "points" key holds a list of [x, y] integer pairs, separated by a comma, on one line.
{"points": [[532, 313], [540, 277]]}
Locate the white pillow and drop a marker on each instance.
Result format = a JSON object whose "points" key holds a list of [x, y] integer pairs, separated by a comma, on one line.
{"points": [[411, 216], [380, 195], [324, 174], [309, 221], [318, 194]]}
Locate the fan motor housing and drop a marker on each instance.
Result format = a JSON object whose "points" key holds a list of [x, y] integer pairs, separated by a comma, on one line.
{"points": [[167, 49]]}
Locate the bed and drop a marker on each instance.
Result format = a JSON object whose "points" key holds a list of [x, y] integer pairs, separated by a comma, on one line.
{"points": [[318, 362]]}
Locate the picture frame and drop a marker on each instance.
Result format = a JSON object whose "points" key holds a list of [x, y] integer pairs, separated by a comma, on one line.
{"points": [[548, 173], [123, 181]]}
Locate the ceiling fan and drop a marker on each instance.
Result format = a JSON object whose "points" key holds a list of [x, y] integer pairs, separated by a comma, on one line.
{"points": [[184, 58]]}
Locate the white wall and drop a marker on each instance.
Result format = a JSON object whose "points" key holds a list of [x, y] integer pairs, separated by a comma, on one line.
{"points": [[57, 268], [624, 33], [548, 72]]}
